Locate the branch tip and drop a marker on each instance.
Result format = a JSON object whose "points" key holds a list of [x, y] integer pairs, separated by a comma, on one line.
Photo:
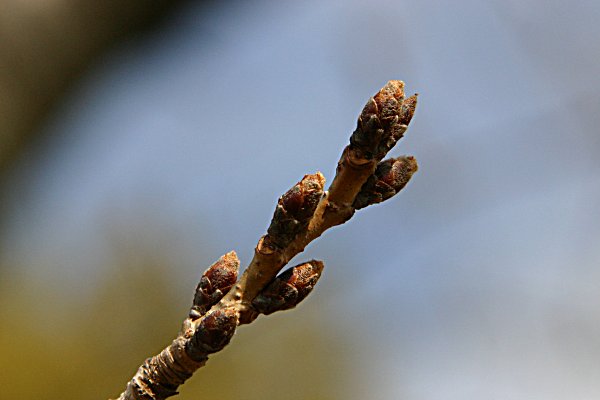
{"points": [[382, 123]]}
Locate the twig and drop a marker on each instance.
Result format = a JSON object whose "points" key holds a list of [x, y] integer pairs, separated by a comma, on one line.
{"points": [[303, 213]]}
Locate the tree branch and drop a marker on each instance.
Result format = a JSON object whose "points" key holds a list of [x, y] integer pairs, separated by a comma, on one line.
{"points": [[302, 214]]}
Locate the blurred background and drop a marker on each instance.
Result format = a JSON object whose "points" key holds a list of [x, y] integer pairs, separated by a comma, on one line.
{"points": [[140, 141]]}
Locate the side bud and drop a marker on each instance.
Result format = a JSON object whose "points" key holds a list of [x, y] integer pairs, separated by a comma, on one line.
{"points": [[389, 178], [213, 333], [289, 288], [295, 209], [215, 283]]}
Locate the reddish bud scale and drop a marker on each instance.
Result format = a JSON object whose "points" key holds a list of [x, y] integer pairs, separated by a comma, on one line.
{"points": [[389, 178], [215, 283], [214, 332], [289, 288], [382, 123], [295, 209]]}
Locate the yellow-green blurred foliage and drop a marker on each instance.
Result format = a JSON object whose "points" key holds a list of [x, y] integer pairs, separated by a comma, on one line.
{"points": [[58, 348]]}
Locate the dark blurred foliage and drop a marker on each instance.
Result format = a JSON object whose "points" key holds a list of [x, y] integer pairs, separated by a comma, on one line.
{"points": [[46, 46]]}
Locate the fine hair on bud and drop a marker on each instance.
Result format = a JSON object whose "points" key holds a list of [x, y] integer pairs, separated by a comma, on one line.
{"points": [[289, 288]]}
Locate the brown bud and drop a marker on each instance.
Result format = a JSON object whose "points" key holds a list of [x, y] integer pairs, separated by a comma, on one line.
{"points": [[289, 288], [295, 209], [407, 110], [382, 123], [214, 332], [215, 283], [389, 178]]}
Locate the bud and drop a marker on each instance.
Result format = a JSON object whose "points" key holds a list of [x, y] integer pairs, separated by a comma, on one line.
{"points": [[289, 288], [214, 333], [382, 123], [389, 178], [215, 283], [407, 110], [295, 209]]}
